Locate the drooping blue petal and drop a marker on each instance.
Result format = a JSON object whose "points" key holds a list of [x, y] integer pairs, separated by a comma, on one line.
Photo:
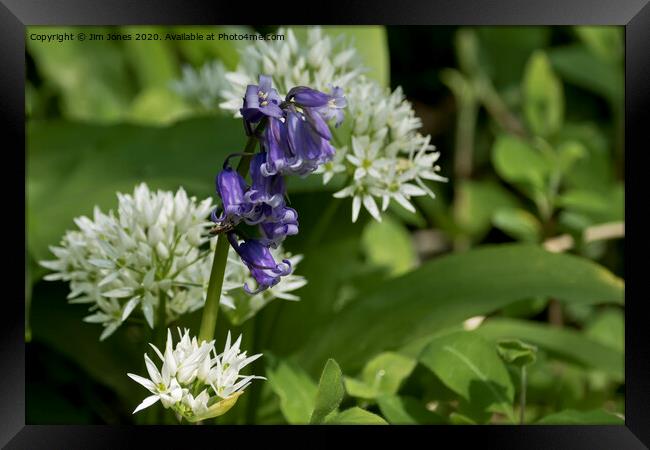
{"points": [[259, 260]]}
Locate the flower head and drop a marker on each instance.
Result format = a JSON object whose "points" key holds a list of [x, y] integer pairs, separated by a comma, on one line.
{"points": [[123, 262], [260, 262], [261, 101], [195, 381]]}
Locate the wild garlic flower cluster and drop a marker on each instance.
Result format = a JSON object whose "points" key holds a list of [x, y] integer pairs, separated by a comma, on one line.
{"points": [[380, 155], [194, 381], [154, 247]]}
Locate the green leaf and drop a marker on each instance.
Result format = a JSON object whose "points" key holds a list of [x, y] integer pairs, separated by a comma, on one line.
{"points": [[388, 244], [579, 66], [518, 223], [476, 201], [514, 351], [400, 410], [296, 390], [608, 328], [606, 42], [543, 96], [447, 290], [573, 417], [562, 343], [382, 375], [355, 416], [568, 153], [330, 392], [470, 366], [517, 162]]}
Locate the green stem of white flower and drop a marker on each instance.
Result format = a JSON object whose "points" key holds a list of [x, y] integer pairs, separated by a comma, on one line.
{"points": [[213, 296], [160, 328], [522, 396]]}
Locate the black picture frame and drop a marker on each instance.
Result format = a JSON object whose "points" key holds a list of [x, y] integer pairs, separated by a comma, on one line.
{"points": [[16, 14]]}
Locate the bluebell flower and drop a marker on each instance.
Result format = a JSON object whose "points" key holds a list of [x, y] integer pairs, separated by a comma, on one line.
{"points": [[260, 262], [307, 97], [231, 188], [261, 101], [282, 223], [334, 107], [308, 137]]}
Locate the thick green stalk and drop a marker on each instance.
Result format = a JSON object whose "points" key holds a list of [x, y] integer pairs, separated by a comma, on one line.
{"points": [[213, 296]]}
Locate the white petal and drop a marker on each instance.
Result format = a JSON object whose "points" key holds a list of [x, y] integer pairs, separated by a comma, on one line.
{"points": [[143, 381], [129, 307], [405, 203], [147, 402], [356, 206], [371, 206]]}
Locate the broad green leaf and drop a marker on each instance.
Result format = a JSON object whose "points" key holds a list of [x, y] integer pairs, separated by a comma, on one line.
{"points": [[543, 96], [579, 66], [386, 371], [562, 343], [518, 223], [388, 244], [470, 366], [355, 416], [608, 328], [330, 392], [400, 410], [296, 390], [517, 352], [456, 418], [476, 201], [447, 290], [382, 375], [573, 417], [518, 162], [606, 42]]}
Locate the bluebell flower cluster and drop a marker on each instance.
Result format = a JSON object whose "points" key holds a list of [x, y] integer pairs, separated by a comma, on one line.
{"points": [[295, 141]]}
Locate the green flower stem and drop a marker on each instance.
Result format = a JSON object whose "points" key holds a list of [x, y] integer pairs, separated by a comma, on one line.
{"points": [[213, 296], [522, 396]]}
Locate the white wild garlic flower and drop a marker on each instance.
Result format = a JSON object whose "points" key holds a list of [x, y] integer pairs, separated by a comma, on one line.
{"points": [[194, 381], [379, 150], [121, 264]]}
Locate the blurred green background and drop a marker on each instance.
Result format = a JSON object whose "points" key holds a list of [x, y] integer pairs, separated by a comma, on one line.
{"points": [[101, 117]]}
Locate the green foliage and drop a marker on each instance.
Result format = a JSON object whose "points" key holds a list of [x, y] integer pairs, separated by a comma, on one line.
{"points": [[545, 160], [388, 244], [543, 96], [516, 352], [382, 375], [330, 392], [470, 366], [296, 390], [450, 289]]}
